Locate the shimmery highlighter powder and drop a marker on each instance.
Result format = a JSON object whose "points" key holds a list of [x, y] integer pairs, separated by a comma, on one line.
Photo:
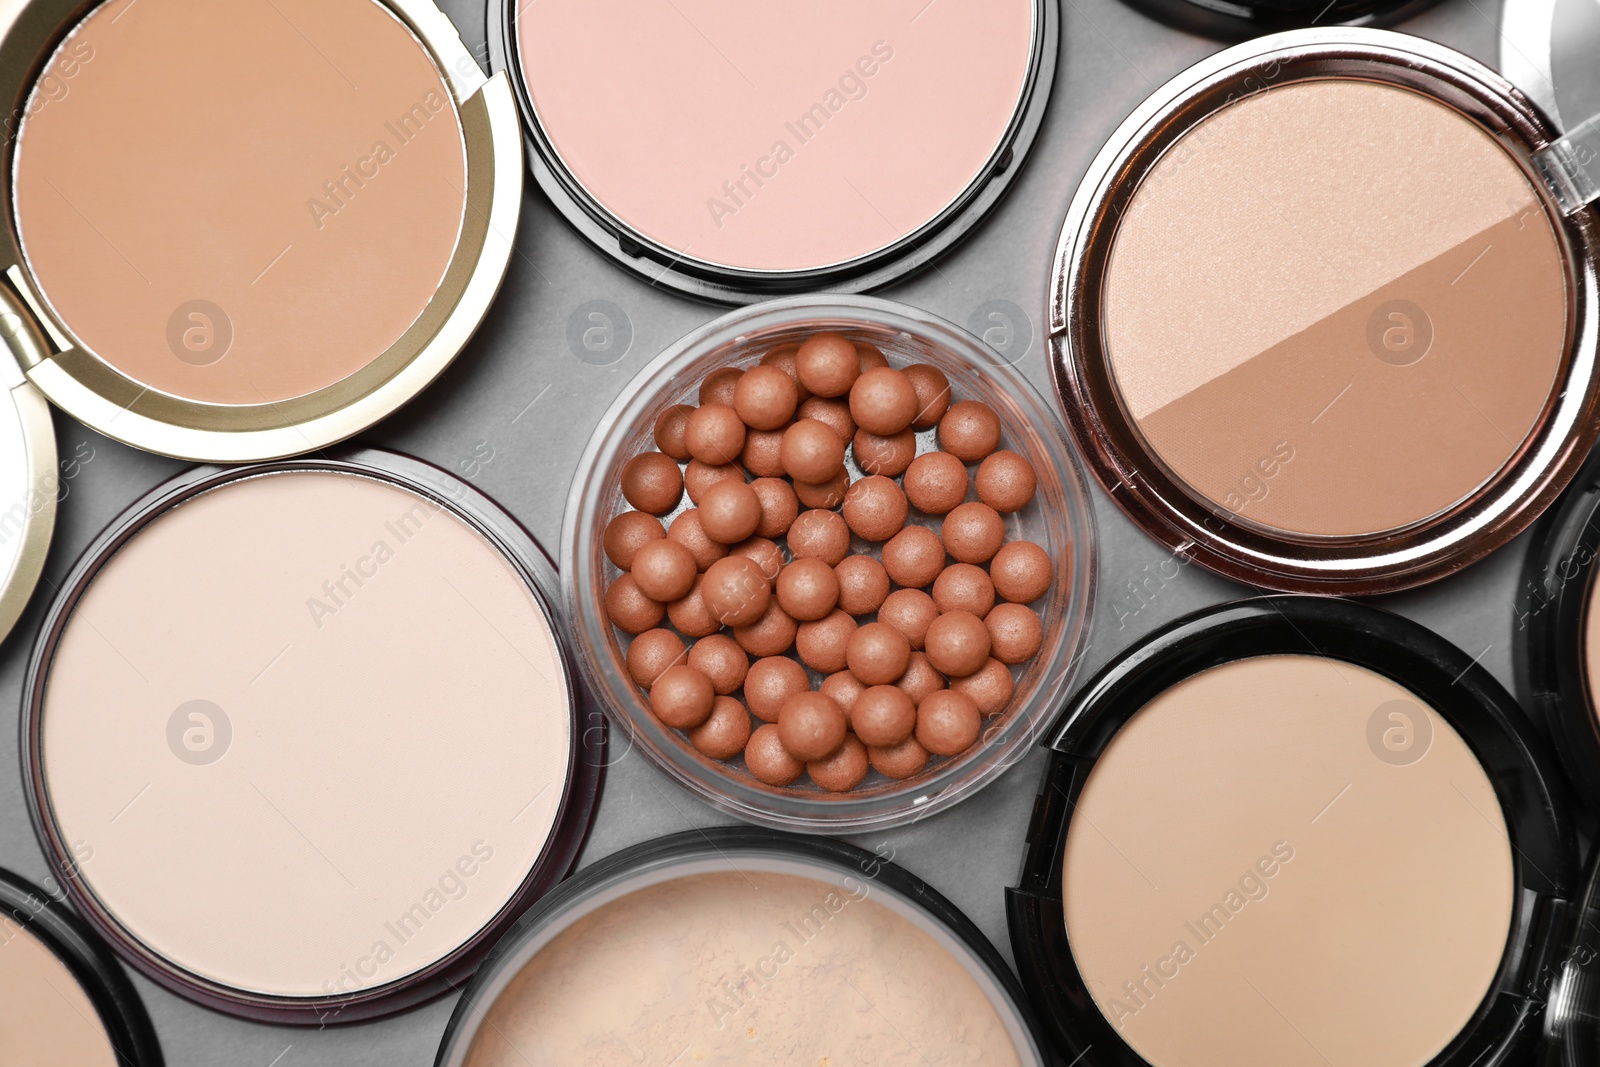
{"points": [[1290, 860], [235, 202], [314, 728], [737, 967], [1335, 308]]}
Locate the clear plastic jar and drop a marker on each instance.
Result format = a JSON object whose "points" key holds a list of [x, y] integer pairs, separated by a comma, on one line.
{"points": [[1059, 519]]}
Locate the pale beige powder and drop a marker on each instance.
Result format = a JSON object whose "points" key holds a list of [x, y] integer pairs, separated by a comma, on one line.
{"points": [[729, 969], [1248, 882], [399, 738], [46, 1019]]}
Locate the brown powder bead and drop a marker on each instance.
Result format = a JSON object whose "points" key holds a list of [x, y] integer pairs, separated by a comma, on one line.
{"points": [[969, 431], [688, 532], [651, 653], [823, 644], [914, 557], [725, 732], [682, 697], [718, 387], [834, 414], [670, 427], [911, 611], [888, 456], [769, 762], [629, 532], [948, 723], [763, 453], [811, 725], [771, 635], [964, 587], [863, 584], [878, 654], [664, 570], [991, 688], [875, 508], [1015, 633], [652, 482], [765, 398], [822, 535], [691, 615], [958, 643], [771, 681], [630, 609], [883, 716], [826, 495], [808, 589], [811, 452], [779, 506], [845, 689], [920, 678], [735, 591], [720, 658], [843, 770], [827, 364], [698, 477], [933, 394], [870, 356], [973, 532], [1006, 482], [1022, 572], [782, 357], [883, 401], [715, 434], [730, 512], [936, 482], [900, 761], [765, 553]]}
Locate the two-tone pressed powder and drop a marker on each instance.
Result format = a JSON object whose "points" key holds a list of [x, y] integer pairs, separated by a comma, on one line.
{"points": [[317, 726], [62, 997], [737, 946], [1324, 313], [1293, 831], [240, 231], [735, 150]]}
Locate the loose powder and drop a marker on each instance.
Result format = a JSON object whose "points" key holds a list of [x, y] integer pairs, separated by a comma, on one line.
{"points": [[1287, 860], [46, 1019], [1335, 308], [313, 731], [728, 968]]}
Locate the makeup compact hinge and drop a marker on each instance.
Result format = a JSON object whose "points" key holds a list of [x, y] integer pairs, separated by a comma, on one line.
{"points": [[1570, 167]]}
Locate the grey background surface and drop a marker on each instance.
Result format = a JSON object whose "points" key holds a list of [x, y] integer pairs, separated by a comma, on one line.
{"points": [[520, 393]]}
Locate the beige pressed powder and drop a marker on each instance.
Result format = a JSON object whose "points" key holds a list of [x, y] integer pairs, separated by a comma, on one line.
{"points": [[743, 966], [235, 202], [315, 729], [46, 1018], [1287, 859], [1335, 308]]}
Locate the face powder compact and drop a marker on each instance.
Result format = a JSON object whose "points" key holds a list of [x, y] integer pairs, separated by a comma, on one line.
{"points": [[1324, 312], [316, 723], [736, 151], [738, 945], [1295, 831], [63, 998], [238, 231]]}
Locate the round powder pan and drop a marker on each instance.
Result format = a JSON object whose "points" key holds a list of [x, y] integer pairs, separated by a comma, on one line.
{"points": [[1271, 816], [804, 950], [308, 265], [736, 152], [1557, 631], [66, 999], [314, 725], [1323, 314]]}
